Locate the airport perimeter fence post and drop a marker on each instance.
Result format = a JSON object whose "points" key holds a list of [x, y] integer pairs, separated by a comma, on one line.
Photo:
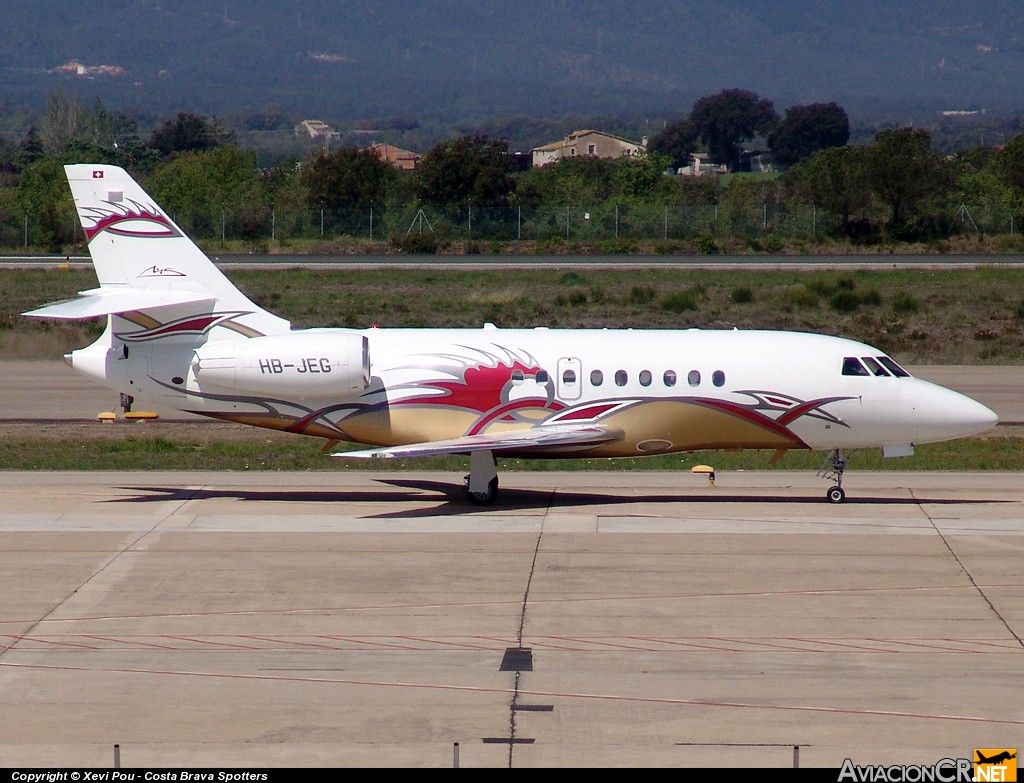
{"points": [[117, 756], [455, 756], [796, 757]]}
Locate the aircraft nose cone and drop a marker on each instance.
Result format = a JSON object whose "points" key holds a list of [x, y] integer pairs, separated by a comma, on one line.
{"points": [[944, 414]]}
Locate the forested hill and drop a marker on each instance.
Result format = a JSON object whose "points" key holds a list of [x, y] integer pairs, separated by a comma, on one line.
{"points": [[482, 58]]}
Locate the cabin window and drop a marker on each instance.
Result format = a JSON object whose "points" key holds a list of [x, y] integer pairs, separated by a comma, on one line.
{"points": [[718, 378], [517, 377], [894, 368], [596, 377], [693, 378], [852, 366], [875, 367], [669, 378], [542, 376], [645, 377], [621, 377], [569, 377]]}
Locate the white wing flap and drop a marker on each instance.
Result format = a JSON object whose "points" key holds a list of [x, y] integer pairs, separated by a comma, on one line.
{"points": [[554, 437], [109, 301]]}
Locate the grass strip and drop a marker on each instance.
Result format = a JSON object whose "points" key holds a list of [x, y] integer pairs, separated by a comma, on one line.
{"points": [[145, 452]]}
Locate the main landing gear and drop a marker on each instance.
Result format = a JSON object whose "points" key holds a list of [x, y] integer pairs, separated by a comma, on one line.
{"points": [[482, 481], [834, 472]]}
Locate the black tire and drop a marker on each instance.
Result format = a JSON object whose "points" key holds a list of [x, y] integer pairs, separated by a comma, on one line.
{"points": [[484, 498], [835, 495]]}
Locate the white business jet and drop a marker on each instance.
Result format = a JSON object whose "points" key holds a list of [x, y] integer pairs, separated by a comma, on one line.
{"points": [[181, 335]]}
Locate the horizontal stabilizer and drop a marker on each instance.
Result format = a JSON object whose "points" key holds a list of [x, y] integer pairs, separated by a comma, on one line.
{"points": [[110, 301], [553, 438]]}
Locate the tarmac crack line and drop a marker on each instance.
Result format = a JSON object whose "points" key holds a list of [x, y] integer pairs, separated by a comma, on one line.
{"points": [[519, 636], [980, 590]]}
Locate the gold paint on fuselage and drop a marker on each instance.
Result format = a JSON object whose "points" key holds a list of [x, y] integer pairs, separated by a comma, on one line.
{"points": [[649, 427]]}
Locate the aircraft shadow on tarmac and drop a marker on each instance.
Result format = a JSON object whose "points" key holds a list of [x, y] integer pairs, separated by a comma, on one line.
{"points": [[443, 498]]}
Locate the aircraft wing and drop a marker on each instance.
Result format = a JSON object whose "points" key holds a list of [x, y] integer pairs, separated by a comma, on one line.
{"points": [[556, 436], [109, 300]]}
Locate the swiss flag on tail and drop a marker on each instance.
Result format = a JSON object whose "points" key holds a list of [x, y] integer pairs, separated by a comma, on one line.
{"points": [[97, 174]]}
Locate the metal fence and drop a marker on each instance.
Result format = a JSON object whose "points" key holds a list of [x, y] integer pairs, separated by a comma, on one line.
{"points": [[542, 224]]}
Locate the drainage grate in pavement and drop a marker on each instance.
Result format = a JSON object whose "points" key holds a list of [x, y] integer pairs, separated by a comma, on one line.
{"points": [[517, 659]]}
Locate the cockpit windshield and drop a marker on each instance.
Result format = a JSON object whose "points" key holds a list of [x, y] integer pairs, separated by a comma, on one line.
{"points": [[894, 368], [852, 366], [878, 366], [875, 367]]}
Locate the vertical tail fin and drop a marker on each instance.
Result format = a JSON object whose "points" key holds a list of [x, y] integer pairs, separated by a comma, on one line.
{"points": [[140, 254]]}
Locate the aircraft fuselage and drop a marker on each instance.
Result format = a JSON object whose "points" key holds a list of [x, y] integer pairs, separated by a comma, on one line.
{"points": [[665, 390]]}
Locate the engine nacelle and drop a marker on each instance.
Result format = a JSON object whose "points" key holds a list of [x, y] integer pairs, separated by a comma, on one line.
{"points": [[314, 363]]}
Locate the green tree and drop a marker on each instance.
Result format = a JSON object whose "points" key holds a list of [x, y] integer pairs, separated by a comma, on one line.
{"points": [[189, 133], [8, 152], [640, 176], [63, 123], [677, 140], [271, 117], [807, 129], [1009, 164], [206, 191], [30, 149], [583, 180], [727, 119], [285, 186], [468, 171], [43, 195], [836, 180], [349, 178], [912, 180]]}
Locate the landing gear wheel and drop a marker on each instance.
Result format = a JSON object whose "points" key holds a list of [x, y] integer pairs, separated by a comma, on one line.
{"points": [[835, 495], [484, 498]]}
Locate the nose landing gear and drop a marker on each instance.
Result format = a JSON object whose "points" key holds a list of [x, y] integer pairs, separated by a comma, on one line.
{"points": [[835, 494], [834, 472]]}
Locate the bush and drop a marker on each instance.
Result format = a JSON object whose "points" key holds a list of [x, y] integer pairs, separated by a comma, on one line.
{"points": [[802, 297], [680, 301], [844, 301], [742, 295], [821, 286], [904, 303], [870, 297], [612, 247], [641, 294], [705, 245], [416, 244]]}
